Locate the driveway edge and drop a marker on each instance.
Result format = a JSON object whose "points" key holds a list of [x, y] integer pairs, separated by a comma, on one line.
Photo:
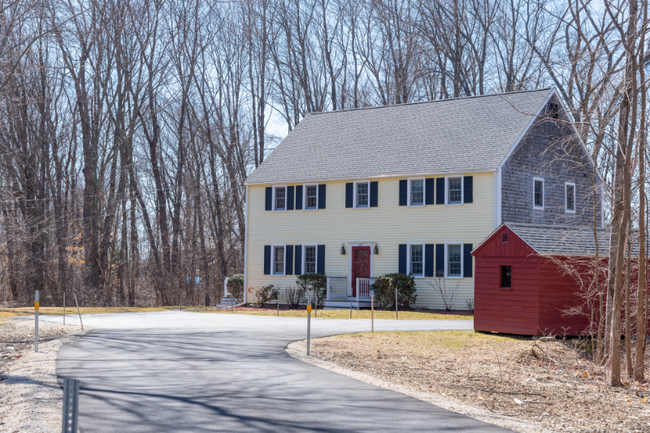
{"points": [[298, 350]]}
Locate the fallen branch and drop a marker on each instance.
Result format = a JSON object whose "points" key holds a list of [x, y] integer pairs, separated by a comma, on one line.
{"points": [[494, 391]]}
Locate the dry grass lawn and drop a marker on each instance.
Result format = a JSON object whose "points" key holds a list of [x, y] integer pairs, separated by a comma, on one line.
{"points": [[343, 314], [549, 383], [48, 311]]}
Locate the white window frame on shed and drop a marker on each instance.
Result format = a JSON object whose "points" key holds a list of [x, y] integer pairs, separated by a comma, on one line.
{"points": [[566, 196], [284, 260], [462, 192], [356, 196], [410, 192], [286, 189], [447, 275], [535, 180], [304, 257], [304, 196], [408, 258]]}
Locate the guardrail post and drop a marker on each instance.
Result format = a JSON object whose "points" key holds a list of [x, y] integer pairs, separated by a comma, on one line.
{"points": [[70, 405]]}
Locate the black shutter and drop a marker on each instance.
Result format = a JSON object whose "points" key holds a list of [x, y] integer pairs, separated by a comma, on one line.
{"points": [[440, 260], [428, 256], [402, 258], [467, 260], [321, 196], [298, 260], [374, 190], [320, 265], [440, 190], [290, 190], [349, 194], [403, 192], [468, 186], [299, 197], [429, 188], [267, 259], [288, 262], [269, 198]]}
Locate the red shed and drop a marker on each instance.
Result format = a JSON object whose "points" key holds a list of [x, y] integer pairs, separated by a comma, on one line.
{"points": [[527, 277]]}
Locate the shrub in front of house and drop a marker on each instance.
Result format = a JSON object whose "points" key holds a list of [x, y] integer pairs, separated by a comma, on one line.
{"points": [[294, 296], [236, 287], [384, 288], [265, 294], [314, 286]]}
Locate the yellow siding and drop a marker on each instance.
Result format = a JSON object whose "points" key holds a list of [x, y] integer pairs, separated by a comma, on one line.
{"points": [[388, 224]]}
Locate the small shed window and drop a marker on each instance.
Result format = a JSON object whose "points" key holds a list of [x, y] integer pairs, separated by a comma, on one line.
{"points": [[506, 276], [570, 197], [538, 193], [504, 237]]}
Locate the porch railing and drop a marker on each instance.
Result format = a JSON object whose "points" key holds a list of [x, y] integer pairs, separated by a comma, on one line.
{"points": [[337, 288], [363, 287]]}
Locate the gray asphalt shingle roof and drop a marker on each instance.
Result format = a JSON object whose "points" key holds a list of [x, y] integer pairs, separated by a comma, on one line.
{"points": [[462, 135], [562, 240]]}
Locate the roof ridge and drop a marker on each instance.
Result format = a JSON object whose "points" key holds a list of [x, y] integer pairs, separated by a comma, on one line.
{"points": [[430, 102]]}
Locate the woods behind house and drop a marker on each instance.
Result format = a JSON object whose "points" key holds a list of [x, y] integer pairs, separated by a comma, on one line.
{"points": [[128, 127]]}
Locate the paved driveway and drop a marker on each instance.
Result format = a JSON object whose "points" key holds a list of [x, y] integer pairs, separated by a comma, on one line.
{"points": [[190, 372]]}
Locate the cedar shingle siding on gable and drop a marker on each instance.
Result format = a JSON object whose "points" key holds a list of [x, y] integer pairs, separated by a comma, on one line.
{"points": [[548, 152]]}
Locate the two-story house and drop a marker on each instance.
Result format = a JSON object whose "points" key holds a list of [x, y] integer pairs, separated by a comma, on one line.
{"points": [[412, 188]]}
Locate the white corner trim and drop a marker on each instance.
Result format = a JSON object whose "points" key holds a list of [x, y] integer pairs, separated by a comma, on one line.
{"points": [[246, 246]]}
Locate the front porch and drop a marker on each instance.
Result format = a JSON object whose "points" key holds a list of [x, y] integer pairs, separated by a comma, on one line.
{"points": [[340, 294]]}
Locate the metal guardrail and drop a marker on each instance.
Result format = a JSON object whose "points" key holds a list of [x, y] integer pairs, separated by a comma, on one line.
{"points": [[70, 405]]}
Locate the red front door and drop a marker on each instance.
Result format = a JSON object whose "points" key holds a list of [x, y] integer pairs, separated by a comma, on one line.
{"points": [[360, 265]]}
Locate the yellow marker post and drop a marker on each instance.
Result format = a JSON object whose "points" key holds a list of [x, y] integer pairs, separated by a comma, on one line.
{"points": [[36, 307], [308, 328]]}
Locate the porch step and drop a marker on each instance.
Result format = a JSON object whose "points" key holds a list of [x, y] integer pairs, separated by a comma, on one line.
{"points": [[337, 305], [227, 302]]}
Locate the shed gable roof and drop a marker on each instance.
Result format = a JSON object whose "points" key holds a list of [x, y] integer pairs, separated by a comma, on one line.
{"points": [[558, 240], [465, 135]]}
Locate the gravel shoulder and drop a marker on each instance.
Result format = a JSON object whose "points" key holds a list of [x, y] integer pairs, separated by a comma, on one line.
{"points": [[517, 383], [30, 397]]}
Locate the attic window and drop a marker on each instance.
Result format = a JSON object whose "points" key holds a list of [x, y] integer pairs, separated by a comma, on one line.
{"points": [[504, 237], [554, 110]]}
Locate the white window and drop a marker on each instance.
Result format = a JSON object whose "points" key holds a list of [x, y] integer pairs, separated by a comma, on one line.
{"points": [[453, 260], [416, 192], [454, 190], [309, 253], [361, 194], [280, 198], [570, 197], [416, 260], [278, 259], [310, 201], [538, 193]]}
